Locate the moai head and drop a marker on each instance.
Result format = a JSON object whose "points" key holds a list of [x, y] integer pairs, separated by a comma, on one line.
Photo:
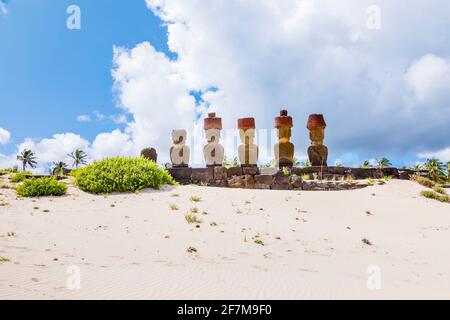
{"points": [[246, 128], [179, 136], [150, 154], [283, 123], [212, 126], [316, 126]]}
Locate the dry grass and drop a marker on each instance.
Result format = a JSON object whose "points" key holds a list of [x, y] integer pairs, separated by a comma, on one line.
{"points": [[423, 181], [192, 218], [366, 241], [173, 206], [195, 198], [436, 196], [194, 210], [4, 259]]}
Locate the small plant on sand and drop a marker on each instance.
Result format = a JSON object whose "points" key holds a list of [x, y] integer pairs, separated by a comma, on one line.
{"points": [[41, 187], [213, 224], [423, 181], [191, 250], [4, 259], [4, 186], [258, 241], [3, 203], [436, 196], [175, 194], [285, 171], [194, 210], [121, 175], [387, 178], [173, 206], [306, 177], [20, 176], [366, 241], [368, 212], [192, 218], [195, 198], [11, 234], [370, 182]]}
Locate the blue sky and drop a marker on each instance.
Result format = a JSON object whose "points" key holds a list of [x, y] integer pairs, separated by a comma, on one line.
{"points": [[49, 74], [380, 75]]}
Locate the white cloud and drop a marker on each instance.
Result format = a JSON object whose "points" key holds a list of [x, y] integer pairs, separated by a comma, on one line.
{"points": [[3, 9], [84, 118], [5, 136], [99, 116], [443, 155], [119, 119], [380, 92], [112, 144], [429, 78]]}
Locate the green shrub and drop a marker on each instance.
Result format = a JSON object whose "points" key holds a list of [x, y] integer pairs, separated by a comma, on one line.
{"points": [[435, 196], [121, 175], [20, 176], [423, 181], [39, 187]]}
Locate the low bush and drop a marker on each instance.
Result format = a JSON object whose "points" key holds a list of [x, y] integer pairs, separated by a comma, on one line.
{"points": [[121, 175], [435, 196], [439, 190], [20, 176], [423, 181], [41, 187]]}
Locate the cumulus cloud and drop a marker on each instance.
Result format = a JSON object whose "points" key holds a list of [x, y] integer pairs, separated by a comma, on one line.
{"points": [[443, 155], [3, 9], [429, 78], [5, 136], [383, 91], [84, 118]]}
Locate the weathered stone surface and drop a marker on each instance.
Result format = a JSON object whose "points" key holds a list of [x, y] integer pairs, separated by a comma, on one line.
{"points": [[284, 149], [337, 170], [202, 175], [296, 182], [150, 154], [220, 173], [218, 183], [268, 171], [282, 179], [251, 170], [244, 181], [390, 172], [234, 171], [281, 186], [362, 173], [264, 179], [179, 151], [262, 186], [405, 174], [180, 173]]}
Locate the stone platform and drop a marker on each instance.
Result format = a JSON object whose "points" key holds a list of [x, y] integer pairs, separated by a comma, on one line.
{"points": [[319, 178]]}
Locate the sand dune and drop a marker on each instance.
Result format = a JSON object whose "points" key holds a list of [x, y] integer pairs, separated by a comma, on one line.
{"points": [[133, 246]]}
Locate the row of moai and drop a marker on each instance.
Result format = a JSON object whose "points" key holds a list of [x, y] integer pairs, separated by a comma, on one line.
{"points": [[248, 150]]}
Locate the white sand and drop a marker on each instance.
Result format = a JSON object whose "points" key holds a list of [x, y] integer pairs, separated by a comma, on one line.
{"points": [[123, 252]]}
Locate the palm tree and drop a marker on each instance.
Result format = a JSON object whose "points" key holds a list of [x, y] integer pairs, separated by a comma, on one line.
{"points": [[305, 163], [79, 157], [365, 164], [384, 163], [448, 171], [27, 158], [418, 167], [59, 168], [436, 169]]}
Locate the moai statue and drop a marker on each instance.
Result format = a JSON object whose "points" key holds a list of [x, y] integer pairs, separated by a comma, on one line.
{"points": [[284, 149], [179, 152], [247, 151], [317, 152], [213, 151], [150, 154]]}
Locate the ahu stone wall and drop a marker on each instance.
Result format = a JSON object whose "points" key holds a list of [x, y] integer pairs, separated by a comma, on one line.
{"points": [[319, 178]]}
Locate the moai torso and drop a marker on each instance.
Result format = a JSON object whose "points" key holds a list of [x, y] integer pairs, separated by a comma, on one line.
{"points": [[247, 151], [317, 152], [213, 150], [179, 152], [284, 149]]}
